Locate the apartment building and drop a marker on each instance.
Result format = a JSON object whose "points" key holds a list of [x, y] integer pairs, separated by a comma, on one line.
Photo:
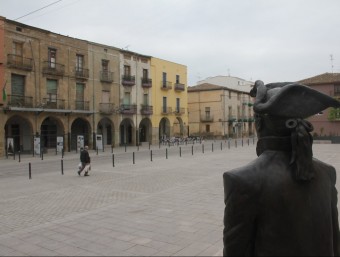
{"points": [[220, 112], [170, 99], [61, 92], [326, 123]]}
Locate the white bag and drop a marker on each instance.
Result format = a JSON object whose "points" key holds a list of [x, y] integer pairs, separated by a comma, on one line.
{"points": [[80, 166]]}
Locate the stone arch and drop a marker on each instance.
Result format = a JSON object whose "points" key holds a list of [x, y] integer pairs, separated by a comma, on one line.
{"points": [[21, 130], [164, 128], [105, 127], [178, 127], [50, 129], [145, 131], [80, 127], [127, 135]]}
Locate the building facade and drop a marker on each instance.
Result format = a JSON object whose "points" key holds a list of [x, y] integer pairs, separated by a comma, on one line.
{"points": [[170, 99], [326, 123], [219, 112], [63, 91]]}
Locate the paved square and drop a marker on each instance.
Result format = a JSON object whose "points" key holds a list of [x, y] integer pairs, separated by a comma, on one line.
{"points": [[170, 206]]}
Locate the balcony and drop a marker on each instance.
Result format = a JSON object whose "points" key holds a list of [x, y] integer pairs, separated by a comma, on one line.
{"points": [[166, 85], [81, 73], [19, 62], [20, 101], [232, 118], [128, 80], [106, 108], [53, 68], [82, 105], [52, 102], [207, 118], [146, 83], [106, 76], [146, 110], [128, 109], [166, 110], [180, 111], [179, 87]]}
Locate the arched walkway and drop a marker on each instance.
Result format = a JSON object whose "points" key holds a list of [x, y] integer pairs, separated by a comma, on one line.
{"points": [[126, 129], [105, 127], [50, 129], [80, 127], [20, 130], [164, 128], [145, 131]]}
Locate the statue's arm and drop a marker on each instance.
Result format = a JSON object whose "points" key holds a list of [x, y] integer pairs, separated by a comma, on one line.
{"points": [[239, 217]]}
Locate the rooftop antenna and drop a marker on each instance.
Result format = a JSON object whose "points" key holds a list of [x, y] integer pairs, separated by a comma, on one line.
{"points": [[332, 59]]}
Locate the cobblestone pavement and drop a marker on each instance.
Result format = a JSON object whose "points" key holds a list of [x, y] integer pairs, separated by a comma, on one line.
{"points": [[170, 206]]}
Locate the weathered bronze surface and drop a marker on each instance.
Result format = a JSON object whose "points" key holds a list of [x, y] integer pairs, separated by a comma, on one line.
{"points": [[284, 203]]}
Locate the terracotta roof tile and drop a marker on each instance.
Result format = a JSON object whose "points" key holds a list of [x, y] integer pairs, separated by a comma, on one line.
{"points": [[325, 78]]}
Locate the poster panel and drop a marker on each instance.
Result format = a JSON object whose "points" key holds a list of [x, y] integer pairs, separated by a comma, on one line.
{"points": [[99, 142], [37, 145], [60, 144]]}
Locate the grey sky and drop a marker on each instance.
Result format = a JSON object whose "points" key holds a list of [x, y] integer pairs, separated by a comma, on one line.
{"points": [[271, 40]]}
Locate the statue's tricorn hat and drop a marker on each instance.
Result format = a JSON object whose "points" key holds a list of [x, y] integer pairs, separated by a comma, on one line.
{"points": [[290, 100]]}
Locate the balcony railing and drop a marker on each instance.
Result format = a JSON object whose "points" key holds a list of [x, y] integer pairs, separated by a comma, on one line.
{"points": [[166, 85], [106, 108], [128, 80], [179, 87], [82, 105], [166, 110], [52, 102], [179, 111], [53, 68], [106, 76], [19, 62], [146, 110], [20, 101], [81, 73], [207, 118], [128, 109], [146, 83]]}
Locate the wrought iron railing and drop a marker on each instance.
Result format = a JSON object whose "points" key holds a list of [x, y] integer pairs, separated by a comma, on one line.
{"points": [[52, 102], [146, 83], [179, 87], [82, 105], [81, 73], [128, 109], [166, 110], [106, 76], [19, 62], [20, 101], [128, 80], [53, 68], [146, 110], [106, 108], [166, 85]]}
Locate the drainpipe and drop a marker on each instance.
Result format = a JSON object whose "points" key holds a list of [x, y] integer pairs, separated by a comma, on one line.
{"points": [[93, 107]]}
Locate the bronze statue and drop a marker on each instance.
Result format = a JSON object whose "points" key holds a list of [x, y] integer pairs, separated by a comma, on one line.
{"points": [[283, 203]]}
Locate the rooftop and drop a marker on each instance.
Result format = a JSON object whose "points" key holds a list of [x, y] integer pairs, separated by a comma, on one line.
{"points": [[325, 78]]}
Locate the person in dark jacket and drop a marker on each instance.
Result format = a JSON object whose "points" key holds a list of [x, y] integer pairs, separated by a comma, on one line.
{"points": [[284, 203], [84, 160]]}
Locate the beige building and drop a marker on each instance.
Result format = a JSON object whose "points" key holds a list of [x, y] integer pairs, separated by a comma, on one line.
{"points": [[219, 112], [62, 92]]}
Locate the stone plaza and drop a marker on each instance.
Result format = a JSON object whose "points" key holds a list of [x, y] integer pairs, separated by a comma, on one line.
{"points": [[147, 201]]}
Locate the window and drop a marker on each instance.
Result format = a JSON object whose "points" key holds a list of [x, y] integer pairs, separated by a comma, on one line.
{"points": [[105, 65], [177, 79], [17, 48], [145, 74], [52, 57], [164, 79], [164, 104], [51, 90], [127, 70], [79, 62], [207, 128], [207, 112], [127, 98], [80, 88], [178, 105], [146, 99], [17, 90], [336, 90]]}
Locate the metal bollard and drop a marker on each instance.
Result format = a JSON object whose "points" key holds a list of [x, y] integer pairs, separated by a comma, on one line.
{"points": [[113, 160], [151, 155], [97, 150], [235, 143], [62, 153], [221, 146], [62, 167], [212, 147], [42, 154], [202, 148], [19, 157], [133, 157], [166, 153], [192, 150], [228, 144], [180, 151], [29, 171]]}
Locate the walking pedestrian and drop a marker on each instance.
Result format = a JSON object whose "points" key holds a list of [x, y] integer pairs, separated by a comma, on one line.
{"points": [[84, 160]]}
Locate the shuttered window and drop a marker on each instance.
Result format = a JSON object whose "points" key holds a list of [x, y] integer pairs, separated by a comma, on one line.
{"points": [[18, 85]]}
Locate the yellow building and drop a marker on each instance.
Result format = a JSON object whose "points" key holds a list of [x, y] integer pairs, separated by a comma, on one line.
{"points": [[219, 112], [169, 98]]}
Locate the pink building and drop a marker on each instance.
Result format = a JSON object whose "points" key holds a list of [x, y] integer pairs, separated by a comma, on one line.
{"points": [[326, 123]]}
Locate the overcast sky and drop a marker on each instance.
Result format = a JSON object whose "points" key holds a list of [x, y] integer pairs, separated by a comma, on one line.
{"points": [[271, 40]]}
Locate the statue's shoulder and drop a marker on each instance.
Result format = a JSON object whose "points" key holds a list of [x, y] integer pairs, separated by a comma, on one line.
{"points": [[325, 168]]}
